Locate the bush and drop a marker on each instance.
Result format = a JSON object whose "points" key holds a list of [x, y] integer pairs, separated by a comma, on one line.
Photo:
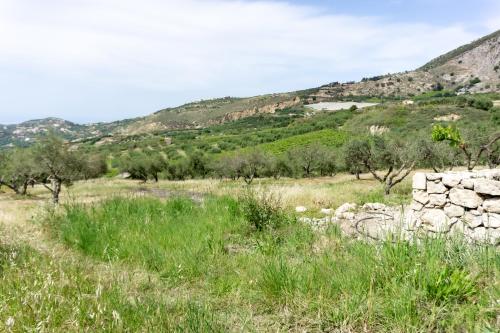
{"points": [[263, 211], [474, 81]]}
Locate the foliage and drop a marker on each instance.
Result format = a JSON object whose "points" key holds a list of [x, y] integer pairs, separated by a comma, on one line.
{"points": [[448, 133], [57, 164], [263, 211]]}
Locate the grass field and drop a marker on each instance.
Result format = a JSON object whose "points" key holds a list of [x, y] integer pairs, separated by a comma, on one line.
{"points": [[184, 256]]}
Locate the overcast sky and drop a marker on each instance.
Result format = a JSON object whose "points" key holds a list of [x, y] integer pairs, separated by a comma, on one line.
{"points": [[104, 60]]}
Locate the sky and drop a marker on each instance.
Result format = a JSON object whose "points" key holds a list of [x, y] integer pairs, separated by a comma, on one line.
{"points": [[102, 60]]}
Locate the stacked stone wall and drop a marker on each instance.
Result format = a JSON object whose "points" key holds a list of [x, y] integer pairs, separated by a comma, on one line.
{"points": [[458, 202]]}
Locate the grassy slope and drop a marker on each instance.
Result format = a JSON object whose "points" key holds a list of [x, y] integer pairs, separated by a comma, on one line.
{"points": [[285, 279]]}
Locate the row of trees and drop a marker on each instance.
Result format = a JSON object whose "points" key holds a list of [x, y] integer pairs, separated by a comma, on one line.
{"points": [[388, 159], [50, 163]]}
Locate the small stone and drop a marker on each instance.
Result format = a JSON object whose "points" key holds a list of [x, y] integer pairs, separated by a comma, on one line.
{"points": [[421, 196], [487, 186], [467, 183], [300, 209], [492, 205], [327, 211], [345, 208], [451, 180], [454, 210], [435, 187], [491, 220], [419, 181], [473, 221], [437, 200], [465, 198], [434, 176]]}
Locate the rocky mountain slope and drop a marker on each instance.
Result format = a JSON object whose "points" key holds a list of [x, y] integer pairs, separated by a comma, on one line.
{"points": [[471, 68], [474, 67]]}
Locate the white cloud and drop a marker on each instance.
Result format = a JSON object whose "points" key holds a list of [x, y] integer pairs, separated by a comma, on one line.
{"points": [[217, 46]]}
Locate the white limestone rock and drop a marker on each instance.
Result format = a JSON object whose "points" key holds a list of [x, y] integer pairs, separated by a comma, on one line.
{"points": [[421, 196], [473, 221], [416, 206], [435, 188], [327, 211], [300, 209], [492, 205], [454, 210], [434, 176], [465, 198], [451, 180], [491, 220], [487, 186], [437, 200], [435, 220], [419, 181], [467, 184], [347, 207]]}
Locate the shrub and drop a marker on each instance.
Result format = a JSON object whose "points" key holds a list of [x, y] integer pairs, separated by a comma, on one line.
{"points": [[474, 81], [450, 285], [263, 211]]}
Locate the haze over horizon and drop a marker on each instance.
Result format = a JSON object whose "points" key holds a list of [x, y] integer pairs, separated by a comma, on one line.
{"points": [[89, 61]]}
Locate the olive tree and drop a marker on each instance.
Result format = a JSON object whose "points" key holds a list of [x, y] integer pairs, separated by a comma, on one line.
{"points": [[353, 157], [389, 161], [308, 159], [17, 170], [143, 166], [57, 165]]}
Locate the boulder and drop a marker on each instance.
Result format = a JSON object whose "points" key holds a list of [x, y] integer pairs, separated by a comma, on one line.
{"points": [[491, 220], [465, 198], [435, 220], [492, 205], [437, 188], [454, 211], [437, 200], [419, 181], [487, 186]]}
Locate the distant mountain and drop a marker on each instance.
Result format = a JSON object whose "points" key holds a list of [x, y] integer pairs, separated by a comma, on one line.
{"points": [[25, 133], [471, 68]]}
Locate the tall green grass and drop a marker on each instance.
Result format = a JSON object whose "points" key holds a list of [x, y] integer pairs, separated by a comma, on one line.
{"points": [[40, 293], [289, 277]]}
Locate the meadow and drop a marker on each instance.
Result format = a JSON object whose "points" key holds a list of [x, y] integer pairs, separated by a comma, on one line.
{"points": [[123, 256]]}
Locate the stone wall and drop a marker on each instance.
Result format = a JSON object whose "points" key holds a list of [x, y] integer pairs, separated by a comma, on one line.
{"points": [[458, 202]]}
